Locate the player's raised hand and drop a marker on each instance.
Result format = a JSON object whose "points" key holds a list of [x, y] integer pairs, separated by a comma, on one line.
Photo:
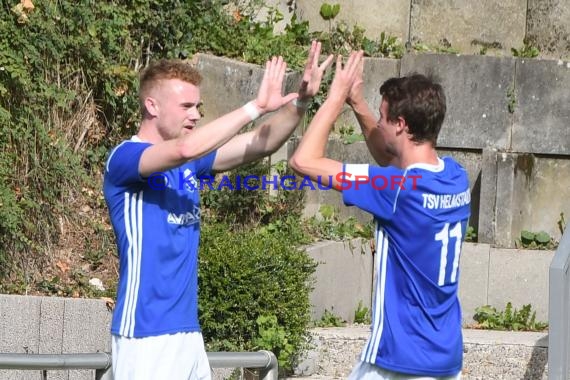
{"points": [[313, 72], [269, 97], [345, 76], [356, 90]]}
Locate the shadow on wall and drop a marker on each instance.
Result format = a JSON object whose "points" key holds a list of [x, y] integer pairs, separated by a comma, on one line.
{"points": [[475, 201]]}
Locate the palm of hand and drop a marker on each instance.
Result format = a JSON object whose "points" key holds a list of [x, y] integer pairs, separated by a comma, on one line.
{"points": [[270, 97]]}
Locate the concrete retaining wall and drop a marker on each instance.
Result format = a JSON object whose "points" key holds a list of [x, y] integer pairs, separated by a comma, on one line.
{"points": [[493, 276], [342, 279], [488, 276], [464, 25], [53, 325]]}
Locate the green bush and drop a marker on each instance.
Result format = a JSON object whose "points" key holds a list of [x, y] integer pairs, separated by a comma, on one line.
{"points": [[247, 279], [329, 319], [328, 225], [510, 319], [61, 84]]}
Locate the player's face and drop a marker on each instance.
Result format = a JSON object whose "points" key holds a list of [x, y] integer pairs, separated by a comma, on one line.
{"points": [[178, 108], [386, 128]]}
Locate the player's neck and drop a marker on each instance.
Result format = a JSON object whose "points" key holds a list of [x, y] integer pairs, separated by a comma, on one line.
{"points": [[149, 133], [414, 153]]}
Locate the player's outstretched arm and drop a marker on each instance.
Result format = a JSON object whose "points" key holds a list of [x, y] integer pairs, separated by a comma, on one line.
{"points": [[309, 158], [367, 120], [271, 134]]}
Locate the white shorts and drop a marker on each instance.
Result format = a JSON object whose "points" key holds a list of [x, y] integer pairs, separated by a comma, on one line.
{"points": [[180, 356], [367, 371]]}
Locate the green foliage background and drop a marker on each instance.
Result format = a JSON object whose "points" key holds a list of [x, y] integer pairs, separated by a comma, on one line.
{"points": [[68, 73]]}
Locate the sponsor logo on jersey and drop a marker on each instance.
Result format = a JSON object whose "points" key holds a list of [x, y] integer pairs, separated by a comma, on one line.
{"points": [[185, 219]]}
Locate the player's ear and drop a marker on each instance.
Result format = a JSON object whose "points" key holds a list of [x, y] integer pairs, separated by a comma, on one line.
{"points": [[401, 125], [151, 106]]}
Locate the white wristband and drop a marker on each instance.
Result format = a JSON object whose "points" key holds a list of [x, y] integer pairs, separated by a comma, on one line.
{"points": [[251, 110], [297, 103]]}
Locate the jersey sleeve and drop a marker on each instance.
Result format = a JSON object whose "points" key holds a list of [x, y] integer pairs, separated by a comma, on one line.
{"points": [[123, 163], [204, 165], [372, 188]]}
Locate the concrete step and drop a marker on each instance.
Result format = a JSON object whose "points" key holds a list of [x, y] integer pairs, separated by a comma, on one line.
{"points": [[488, 355]]}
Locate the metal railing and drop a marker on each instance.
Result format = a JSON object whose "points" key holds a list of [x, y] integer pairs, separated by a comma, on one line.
{"points": [[101, 362], [559, 312], [265, 361]]}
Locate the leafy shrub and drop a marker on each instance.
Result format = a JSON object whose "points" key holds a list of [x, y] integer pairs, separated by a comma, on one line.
{"points": [[527, 51], [362, 314], [329, 226], [536, 240], [341, 38], [470, 234], [271, 334], [247, 275], [329, 319], [349, 135], [510, 319], [63, 66]]}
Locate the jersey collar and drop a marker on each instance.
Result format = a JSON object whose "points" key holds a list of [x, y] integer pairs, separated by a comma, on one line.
{"points": [[432, 168]]}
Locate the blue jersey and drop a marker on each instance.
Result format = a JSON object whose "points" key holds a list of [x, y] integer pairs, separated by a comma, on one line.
{"points": [[421, 215], [157, 228]]}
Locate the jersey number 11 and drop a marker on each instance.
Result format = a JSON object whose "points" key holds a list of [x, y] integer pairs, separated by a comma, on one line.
{"points": [[444, 236]]}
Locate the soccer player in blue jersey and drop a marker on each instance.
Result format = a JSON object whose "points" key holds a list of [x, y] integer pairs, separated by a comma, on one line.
{"points": [[420, 203], [156, 218]]}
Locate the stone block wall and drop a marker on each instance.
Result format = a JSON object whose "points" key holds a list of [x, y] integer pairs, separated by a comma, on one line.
{"points": [[484, 279], [343, 278], [53, 325], [469, 27]]}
